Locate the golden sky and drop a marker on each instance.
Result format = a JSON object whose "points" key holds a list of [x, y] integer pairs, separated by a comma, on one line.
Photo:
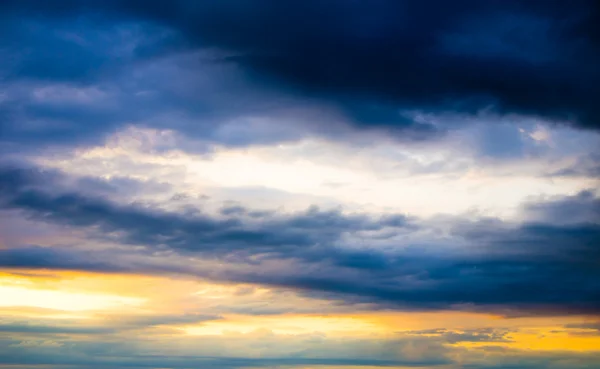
{"points": [[62, 310]]}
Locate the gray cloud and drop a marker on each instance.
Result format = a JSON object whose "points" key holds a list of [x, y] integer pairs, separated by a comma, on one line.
{"points": [[109, 354], [595, 325], [584, 207], [470, 335], [535, 266], [194, 67], [109, 325]]}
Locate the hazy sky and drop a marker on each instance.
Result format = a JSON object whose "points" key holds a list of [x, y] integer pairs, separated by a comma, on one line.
{"points": [[299, 184]]}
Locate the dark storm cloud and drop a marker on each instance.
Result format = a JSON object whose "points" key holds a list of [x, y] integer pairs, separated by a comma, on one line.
{"points": [[369, 59], [542, 265], [537, 58]]}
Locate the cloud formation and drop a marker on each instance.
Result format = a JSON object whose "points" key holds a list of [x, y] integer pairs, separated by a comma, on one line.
{"points": [[502, 266], [368, 64], [268, 183]]}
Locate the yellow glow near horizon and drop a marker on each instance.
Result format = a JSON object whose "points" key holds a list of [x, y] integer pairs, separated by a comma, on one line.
{"points": [[86, 296], [52, 291], [60, 300], [291, 324], [553, 339]]}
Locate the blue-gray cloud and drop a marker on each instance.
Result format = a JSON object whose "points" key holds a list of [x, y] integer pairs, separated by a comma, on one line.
{"points": [[109, 325], [367, 60], [540, 266], [108, 353], [470, 335]]}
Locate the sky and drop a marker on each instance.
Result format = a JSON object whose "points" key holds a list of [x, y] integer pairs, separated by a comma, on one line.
{"points": [[299, 184]]}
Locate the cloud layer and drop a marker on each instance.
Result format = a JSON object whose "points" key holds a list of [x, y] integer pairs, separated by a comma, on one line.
{"points": [[369, 65], [497, 264], [299, 184]]}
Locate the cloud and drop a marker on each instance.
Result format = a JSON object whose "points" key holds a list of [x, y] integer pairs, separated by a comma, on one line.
{"points": [[196, 232], [590, 325], [305, 351], [202, 68], [26, 328], [205, 362], [583, 207], [292, 351], [136, 92], [105, 326], [41, 257], [491, 264], [403, 52], [515, 359], [585, 166], [473, 335]]}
